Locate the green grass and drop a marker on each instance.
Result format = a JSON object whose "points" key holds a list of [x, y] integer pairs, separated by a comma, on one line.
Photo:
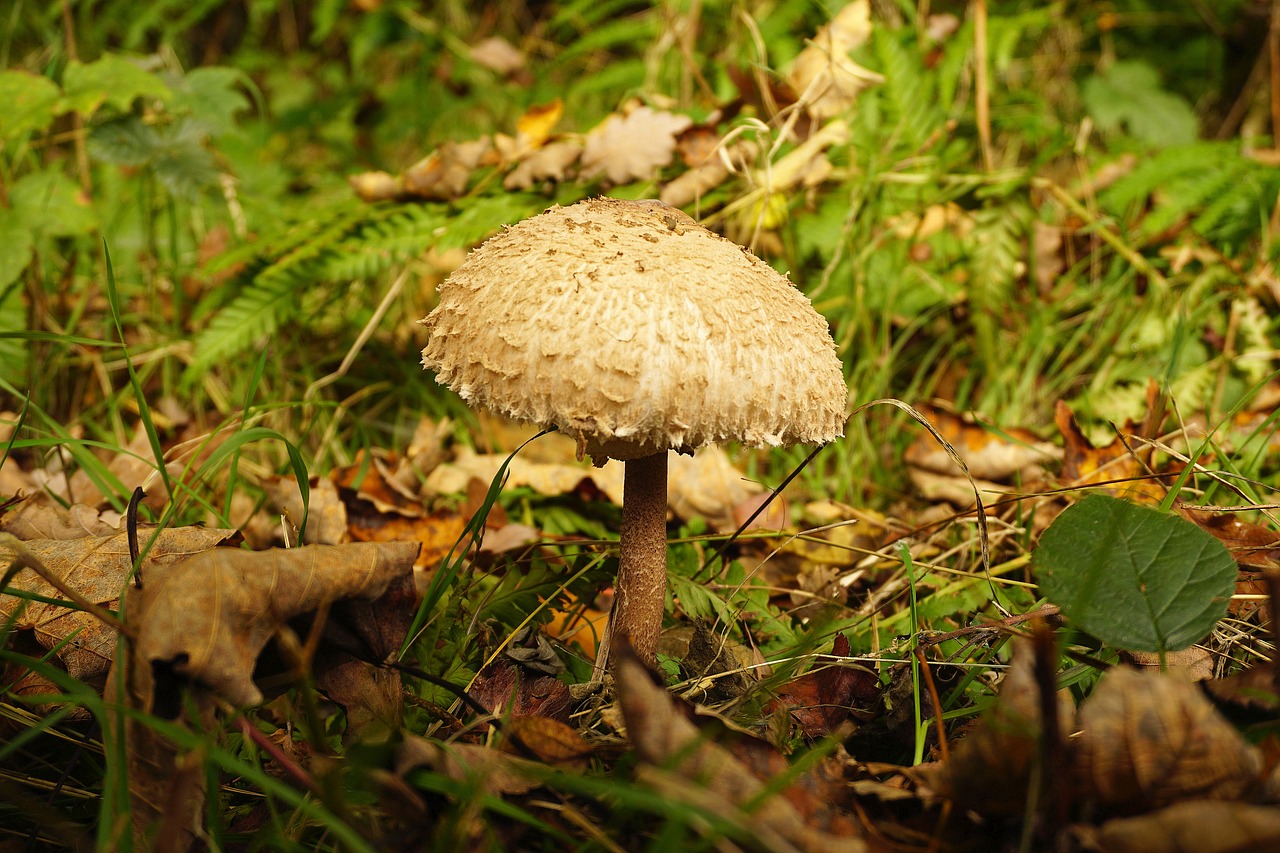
{"points": [[251, 318]]}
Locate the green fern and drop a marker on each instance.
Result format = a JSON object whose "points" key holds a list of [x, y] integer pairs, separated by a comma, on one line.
{"points": [[1225, 196], [351, 241], [999, 234], [908, 92]]}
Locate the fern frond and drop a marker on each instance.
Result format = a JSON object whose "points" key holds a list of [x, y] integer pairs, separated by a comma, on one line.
{"points": [[999, 235], [908, 92]]}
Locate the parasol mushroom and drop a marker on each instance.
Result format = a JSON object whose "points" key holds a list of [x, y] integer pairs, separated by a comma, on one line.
{"points": [[630, 327]]}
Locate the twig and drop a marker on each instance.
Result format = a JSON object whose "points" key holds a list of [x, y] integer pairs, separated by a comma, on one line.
{"points": [[982, 83]]}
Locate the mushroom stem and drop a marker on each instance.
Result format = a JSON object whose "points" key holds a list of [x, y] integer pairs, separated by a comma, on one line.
{"points": [[641, 592]]}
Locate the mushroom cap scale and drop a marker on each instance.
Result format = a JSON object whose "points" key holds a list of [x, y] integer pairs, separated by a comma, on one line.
{"points": [[631, 327]]}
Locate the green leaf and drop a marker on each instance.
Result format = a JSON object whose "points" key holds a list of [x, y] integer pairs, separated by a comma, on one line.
{"points": [[112, 80], [211, 96], [126, 142], [1134, 577], [30, 103], [15, 236], [51, 203], [1129, 96]]}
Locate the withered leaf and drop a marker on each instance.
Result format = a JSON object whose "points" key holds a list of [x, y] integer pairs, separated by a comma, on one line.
{"points": [[1204, 826], [97, 567], [1148, 740], [507, 689], [1084, 464], [1002, 749], [634, 146], [679, 761], [550, 741], [207, 618], [824, 74], [491, 771], [40, 518], [820, 700]]}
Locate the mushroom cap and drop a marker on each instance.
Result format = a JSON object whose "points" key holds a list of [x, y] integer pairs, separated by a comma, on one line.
{"points": [[634, 329]]}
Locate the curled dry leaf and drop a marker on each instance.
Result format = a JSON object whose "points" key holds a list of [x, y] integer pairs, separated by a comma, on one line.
{"points": [[823, 74], [680, 762], [98, 568], [1148, 740], [508, 689], [206, 619], [633, 146], [707, 484]]}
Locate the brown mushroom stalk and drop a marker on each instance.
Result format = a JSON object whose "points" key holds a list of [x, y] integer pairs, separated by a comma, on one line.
{"points": [[641, 593], [635, 330]]}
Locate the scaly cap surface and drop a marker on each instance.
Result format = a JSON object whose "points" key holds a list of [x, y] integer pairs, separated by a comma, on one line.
{"points": [[634, 329]]}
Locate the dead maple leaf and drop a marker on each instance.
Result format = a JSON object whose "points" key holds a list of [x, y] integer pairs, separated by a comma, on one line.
{"points": [[97, 567], [1148, 740], [827, 80], [680, 763], [632, 146]]}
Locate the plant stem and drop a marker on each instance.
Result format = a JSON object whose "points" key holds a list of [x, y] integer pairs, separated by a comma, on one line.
{"points": [[642, 568]]}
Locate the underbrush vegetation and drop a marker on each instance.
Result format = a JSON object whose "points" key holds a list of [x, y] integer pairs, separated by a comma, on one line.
{"points": [[1044, 236]]}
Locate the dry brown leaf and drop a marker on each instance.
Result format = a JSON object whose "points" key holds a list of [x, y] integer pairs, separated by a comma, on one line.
{"points": [[633, 146], [551, 162], [443, 174], [823, 74], [706, 174], [497, 54], [205, 620], [1003, 747], [1006, 455], [1193, 664], [1084, 464], [96, 567], [491, 771], [39, 517], [549, 741], [534, 127], [707, 484], [377, 186], [508, 689], [326, 513], [551, 478], [680, 762], [1199, 826], [821, 699], [1147, 740]]}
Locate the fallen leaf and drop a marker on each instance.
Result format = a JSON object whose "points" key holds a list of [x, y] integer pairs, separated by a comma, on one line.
{"points": [[1010, 455], [827, 80], [821, 699], [377, 186], [679, 762], [443, 174], [497, 54], [1203, 826], [1148, 740], [632, 146], [551, 162], [39, 517], [1003, 748], [508, 689], [324, 511], [1193, 664], [707, 484], [547, 478], [1084, 464], [97, 567], [205, 619], [489, 770], [534, 127], [547, 740]]}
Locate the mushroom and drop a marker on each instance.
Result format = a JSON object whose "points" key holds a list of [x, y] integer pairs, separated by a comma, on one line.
{"points": [[635, 330]]}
